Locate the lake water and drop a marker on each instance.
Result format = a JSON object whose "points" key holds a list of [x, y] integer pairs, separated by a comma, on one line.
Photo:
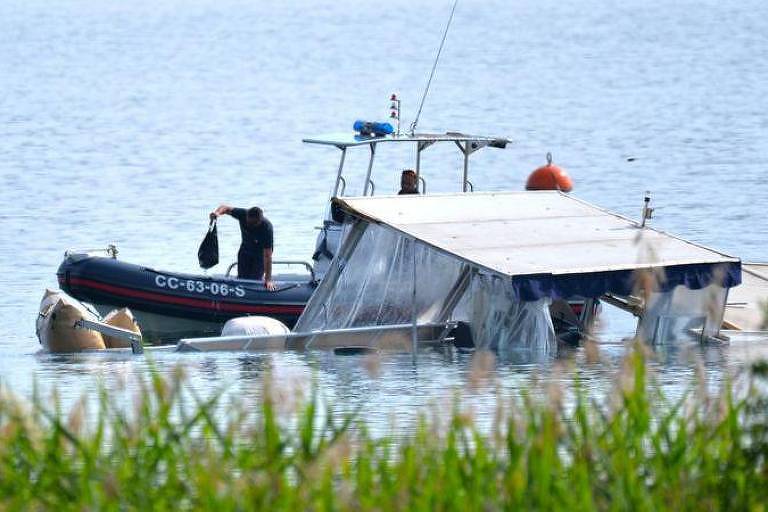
{"points": [[127, 122]]}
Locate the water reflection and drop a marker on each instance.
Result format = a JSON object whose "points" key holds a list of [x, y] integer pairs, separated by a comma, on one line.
{"points": [[252, 366], [388, 389]]}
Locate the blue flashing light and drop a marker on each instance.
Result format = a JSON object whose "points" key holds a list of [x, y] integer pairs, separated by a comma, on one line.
{"points": [[372, 128]]}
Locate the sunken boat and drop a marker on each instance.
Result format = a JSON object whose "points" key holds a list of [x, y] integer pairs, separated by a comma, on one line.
{"points": [[487, 270]]}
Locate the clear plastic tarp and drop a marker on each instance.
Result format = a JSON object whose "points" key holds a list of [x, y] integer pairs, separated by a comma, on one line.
{"points": [[681, 312], [375, 285], [383, 278], [501, 322]]}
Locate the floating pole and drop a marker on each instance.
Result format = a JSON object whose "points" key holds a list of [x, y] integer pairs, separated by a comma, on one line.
{"points": [[647, 210], [116, 332], [414, 326], [466, 167]]}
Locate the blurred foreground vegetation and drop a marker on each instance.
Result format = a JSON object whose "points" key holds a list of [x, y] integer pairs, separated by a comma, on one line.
{"points": [[173, 451]]}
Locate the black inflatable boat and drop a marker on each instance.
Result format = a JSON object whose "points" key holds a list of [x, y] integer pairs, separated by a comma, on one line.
{"points": [[171, 305]]}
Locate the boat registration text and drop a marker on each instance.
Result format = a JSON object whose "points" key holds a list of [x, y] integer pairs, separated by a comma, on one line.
{"points": [[196, 286]]}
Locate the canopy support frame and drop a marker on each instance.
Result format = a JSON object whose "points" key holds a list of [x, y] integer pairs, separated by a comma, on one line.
{"points": [[455, 295], [414, 316], [339, 177], [370, 169], [421, 146]]}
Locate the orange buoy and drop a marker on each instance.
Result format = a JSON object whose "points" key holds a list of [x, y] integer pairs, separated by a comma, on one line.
{"points": [[549, 177]]}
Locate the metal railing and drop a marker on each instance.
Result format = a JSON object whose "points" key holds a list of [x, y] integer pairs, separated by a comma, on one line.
{"points": [[305, 264]]}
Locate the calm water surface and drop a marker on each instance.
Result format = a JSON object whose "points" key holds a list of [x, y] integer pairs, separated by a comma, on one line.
{"points": [[127, 122]]}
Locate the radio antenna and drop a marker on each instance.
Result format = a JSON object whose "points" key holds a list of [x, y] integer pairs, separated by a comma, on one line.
{"points": [[434, 66]]}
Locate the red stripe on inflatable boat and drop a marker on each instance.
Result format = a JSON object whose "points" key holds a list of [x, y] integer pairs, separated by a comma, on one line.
{"points": [[186, 301]]}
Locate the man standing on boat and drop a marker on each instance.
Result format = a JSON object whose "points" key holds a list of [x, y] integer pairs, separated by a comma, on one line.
{"points": [[254, 259]]}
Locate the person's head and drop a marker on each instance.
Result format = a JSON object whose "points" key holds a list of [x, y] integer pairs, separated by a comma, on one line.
{"points": [[254, 216], [408, 181]]}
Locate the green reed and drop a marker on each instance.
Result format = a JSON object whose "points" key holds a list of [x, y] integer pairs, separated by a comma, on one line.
{"points": [[635, 451]]}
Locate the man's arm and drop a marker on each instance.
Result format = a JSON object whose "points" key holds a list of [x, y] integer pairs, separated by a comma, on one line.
{"points": [[221, 210], [268, 283]]}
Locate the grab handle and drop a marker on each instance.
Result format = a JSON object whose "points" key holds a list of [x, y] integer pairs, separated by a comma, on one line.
{"points": [[306, 265]]}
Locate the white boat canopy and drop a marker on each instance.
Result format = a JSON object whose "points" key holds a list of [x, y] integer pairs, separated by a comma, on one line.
{"points": [[497, 261], [518, 234]]}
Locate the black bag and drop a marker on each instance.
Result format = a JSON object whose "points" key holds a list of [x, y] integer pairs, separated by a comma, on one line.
{"points": [[208, 254]]}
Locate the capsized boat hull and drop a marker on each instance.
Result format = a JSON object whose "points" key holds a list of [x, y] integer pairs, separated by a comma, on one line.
{"points": [[56, 328], [170, 305]]}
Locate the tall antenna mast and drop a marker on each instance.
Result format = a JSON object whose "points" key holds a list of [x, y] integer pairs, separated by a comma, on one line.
{"points": [[434, 66]]}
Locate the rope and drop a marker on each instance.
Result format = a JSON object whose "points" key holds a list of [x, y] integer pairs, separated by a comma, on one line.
{"points": [[434, 66]]}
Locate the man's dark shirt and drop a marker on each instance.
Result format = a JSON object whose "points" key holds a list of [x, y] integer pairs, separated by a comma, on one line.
{"points": [[250, 257], [404, 192]]}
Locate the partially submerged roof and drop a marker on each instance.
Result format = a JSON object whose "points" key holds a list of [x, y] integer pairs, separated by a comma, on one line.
{"points": [[349, 139], [550, 243]]}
